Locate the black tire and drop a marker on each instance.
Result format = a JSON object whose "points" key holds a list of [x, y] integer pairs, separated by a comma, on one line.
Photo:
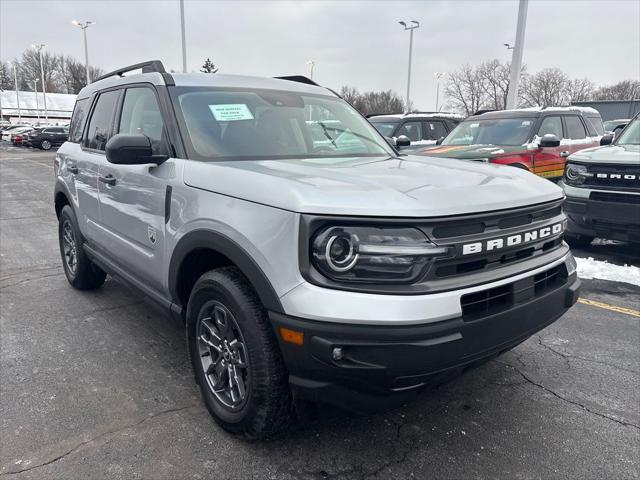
{"points": [[45, 145], [578, 241], [81, 272], [266, 407]]}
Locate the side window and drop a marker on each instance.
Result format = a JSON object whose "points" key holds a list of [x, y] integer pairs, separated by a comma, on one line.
{"points": [[141, 116], [434, 130], [101, 120], [78, 119], [551, 125], [575, 128], [413, 130], [595, 126]]}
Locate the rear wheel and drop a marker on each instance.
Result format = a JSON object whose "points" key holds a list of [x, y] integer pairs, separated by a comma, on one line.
{"points": [[235, 356], [45, 145], [79, 270]]}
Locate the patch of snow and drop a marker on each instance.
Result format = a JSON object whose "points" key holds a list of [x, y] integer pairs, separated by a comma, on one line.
{"points": [[589, 268], [571, 108]]}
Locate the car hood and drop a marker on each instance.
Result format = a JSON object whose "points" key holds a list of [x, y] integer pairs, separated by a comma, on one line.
{"points": [[406, 186], [620, 154], [469, 152]]}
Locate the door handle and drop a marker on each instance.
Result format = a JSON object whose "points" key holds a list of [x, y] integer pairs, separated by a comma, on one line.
{"points": [[565, 154], [72, 169], [109, 179]]}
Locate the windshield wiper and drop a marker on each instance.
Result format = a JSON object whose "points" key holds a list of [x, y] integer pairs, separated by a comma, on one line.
{"points": [[326, 134]]}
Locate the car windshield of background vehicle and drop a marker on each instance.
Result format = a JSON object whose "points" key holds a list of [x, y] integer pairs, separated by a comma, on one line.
{"points": [[501, 131], [385, 128], [631, 134], [222, 124]]}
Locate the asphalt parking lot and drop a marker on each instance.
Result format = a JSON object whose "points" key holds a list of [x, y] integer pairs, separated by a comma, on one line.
{"points": [[98, 385]]}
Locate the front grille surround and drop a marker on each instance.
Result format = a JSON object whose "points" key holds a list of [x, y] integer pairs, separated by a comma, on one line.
{"points": [[595, 181]]}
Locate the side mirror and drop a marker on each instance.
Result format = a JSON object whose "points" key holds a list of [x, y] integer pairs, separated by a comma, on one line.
{"points": [[549, 140], [606, 139], [402, 141], [124, 149], [439, 141]]}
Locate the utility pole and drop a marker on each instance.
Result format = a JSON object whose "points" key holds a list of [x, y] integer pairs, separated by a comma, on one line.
{"points": [[438, 76], [39, 48], [184, 42], [35, 89], [84, 26], [414, 24], [15, 77], [516, 56]]}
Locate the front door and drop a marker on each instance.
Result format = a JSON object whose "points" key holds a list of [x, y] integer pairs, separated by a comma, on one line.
{"points": [[549, 162], [132, 197]]}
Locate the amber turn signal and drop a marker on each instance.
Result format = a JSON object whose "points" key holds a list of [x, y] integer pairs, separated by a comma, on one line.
{"points": [[291, 336]]}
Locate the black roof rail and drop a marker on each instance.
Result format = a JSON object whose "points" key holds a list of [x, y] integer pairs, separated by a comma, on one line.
{"points": [[299, 79], [481, 111], [381, 114], [147, 67]]}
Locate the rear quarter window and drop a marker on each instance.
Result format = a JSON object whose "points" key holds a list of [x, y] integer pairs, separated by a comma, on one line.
{"points": [[78, 119], [595, 126]]}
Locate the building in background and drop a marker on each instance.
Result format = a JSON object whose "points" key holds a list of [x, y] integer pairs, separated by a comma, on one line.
{"points": [[59, 107], [613, 109]]}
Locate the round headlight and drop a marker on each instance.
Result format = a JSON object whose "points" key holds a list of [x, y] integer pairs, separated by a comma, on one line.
{"points": [[576, 173], [341, 252]]}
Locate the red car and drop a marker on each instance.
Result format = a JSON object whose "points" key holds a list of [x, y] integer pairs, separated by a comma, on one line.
{"points": [[536, 139]]}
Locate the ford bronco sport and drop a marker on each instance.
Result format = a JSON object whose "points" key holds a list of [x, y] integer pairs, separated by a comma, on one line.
{"points": [[333, 268], [603, 190]]}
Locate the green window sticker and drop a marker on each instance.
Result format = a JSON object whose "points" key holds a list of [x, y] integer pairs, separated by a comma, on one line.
{"points": [[231, 112]]}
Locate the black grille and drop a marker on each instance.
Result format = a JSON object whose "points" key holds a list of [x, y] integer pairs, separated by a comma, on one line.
{"points": [[615, 198], [495, 300], [608, 170]]}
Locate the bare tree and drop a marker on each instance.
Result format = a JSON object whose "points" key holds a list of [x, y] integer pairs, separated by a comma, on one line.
{"points": [[30, 69], [71, 74], [625, 90], [466, 89], [372, 103], [547, 88], [6, 76], [580, 90]]}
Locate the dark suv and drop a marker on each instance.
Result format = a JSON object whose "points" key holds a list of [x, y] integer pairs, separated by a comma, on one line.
{"points": [[48, 137], [421, 129]]}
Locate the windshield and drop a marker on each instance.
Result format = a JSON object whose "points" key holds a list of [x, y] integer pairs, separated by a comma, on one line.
{"points": [[385, 128], [631, 134], [268, 124], [500, 131]]}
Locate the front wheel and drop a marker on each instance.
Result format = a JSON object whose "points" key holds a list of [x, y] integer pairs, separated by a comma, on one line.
{"points": [[45, 145], [235, 356]]}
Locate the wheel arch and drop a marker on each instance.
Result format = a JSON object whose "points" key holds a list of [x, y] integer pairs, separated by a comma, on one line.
{"points": [[218, 250], [61, 197]]}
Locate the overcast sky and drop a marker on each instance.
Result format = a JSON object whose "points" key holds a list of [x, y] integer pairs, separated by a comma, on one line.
{"points": [[353, 43]]}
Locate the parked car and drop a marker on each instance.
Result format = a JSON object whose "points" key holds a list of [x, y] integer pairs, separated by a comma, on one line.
{"points": [[6, 132], [602, 186], [616, 126], [10, 134], [534, 139], [48, 137], [419, 129], [330, 268]]}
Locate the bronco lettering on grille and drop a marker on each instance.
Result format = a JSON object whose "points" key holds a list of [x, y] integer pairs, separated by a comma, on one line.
{"points": [[512, 240]]}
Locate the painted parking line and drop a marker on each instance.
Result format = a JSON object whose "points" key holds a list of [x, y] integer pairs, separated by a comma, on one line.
{"points": [[612, 308]]}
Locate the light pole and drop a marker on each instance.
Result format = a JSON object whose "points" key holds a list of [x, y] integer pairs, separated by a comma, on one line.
{"points": [[438, 76], [39, 48], [15, 77], [311, 64], [83, 26], [184, 43], [516, 56], [414, 24], [35, 89]]}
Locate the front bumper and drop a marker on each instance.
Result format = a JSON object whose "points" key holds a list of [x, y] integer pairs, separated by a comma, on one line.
{"points": [[616, 220], [385, 366]]}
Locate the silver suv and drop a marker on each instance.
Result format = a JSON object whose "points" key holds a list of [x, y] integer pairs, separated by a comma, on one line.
{"points": [[305, 255]]}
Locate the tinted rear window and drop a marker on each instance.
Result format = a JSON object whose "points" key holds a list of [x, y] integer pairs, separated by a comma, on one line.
{"points": [[78, 120], [595, 125]]}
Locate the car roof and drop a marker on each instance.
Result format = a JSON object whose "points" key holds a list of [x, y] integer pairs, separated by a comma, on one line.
{"points": [[217, 80], [534, 112], [398, 116]]}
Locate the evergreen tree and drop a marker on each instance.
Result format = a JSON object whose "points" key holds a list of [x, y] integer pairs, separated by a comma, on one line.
{"points": [[209, 67]]}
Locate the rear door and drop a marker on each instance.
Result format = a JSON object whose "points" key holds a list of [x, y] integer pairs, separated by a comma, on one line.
{"points": [[432, 131], [132, 197], [577, 134], [89, 159]]}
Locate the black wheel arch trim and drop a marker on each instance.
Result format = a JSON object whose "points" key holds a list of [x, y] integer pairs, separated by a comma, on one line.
{"points": [[61, 187], [207, 239]]}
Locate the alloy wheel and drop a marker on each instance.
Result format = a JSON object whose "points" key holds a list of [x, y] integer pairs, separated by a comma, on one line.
{"points": [[69, 247], [46, 144], [223, 355]]}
